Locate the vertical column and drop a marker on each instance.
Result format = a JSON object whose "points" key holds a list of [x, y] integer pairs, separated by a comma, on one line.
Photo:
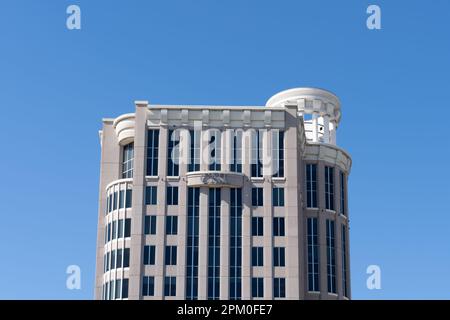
{"points": [[326, 128], [315, 127], [203, 245], [268, 228], [333, 132], [138, 202], [182, 222], [109, 171], [161, 211], [292, 204], [225, 245], [322, 230], [246, 215]]}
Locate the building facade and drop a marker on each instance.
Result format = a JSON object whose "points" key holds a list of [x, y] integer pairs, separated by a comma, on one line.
{"points": [[225, 202]]}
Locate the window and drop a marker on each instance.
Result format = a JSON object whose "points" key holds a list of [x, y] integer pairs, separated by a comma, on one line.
{"points": [[279, 259], [192, 243], [344, 260], [108, 232], [109, 203], [257, 226], [278, 227], [194, 150], [150, 225], [118, 288], [173, 167], [129, 198], [279, 287], [115, 200], [127, 160], [126, 257], [114, 233], [311, 186], [125, 289], [149, 255], [256, 153], [329, 188], [257, 287], [278, 153], [152, 152], [257, 256], [107, 261], [236, 156], [127, 227], [113, 259], [214, 150], [278, 197], [120, 229], [313, 255], [235, 243], [171, 224], [121, 199], [148, 286], [170, 286], [342, 183], [214, 243], [172, 195], [150, 195], [257, 197], [331, 257], [119, 258], [171, 255]]}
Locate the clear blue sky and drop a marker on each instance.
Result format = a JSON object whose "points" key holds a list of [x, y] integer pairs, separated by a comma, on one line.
{"points": [[56, 85]]}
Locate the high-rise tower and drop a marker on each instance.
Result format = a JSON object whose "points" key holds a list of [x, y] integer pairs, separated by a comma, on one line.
{"points": [[225, 202]]}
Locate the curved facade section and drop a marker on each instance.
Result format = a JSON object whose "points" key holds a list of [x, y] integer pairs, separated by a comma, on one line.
{"points": [[223, 202]]}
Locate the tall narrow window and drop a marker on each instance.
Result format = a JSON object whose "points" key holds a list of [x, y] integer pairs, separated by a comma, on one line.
{"points": [[113, 259], [278, 153], [118, 288], [115, 196], [279, 287], [127, 230], [114, 230], [171, 255], [236, 152], [128, 198], [119, 263], [279, 257], [152, 152], [126, 257], [120, 229], [149, 255], [257, 197], [278, 197], [257, 287], [215, 150], [257, 256], [121, 199], [344, 260], [313, 255], [173, 166], [311, 186], [257, 226], [125, 289], [329, 188], [214, 244], [192, 244], [194, 151], [148, 286], [331, 257], [150, 225], [172, 195], [170, 286], [151, 195], [235, 243], [127, 160], [171, 225], [342, 183], [256, 164], [278, 227]]}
